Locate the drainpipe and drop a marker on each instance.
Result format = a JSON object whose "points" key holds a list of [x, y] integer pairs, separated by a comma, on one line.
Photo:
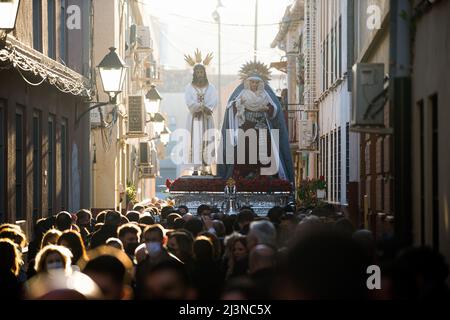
{"points": [[400, 115]]}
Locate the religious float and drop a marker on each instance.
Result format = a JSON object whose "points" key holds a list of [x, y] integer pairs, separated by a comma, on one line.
{"points": [[257, 173], [261, 194]]}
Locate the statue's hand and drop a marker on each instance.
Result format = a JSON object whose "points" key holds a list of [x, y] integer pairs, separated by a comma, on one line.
{"points": [[270, 110]]}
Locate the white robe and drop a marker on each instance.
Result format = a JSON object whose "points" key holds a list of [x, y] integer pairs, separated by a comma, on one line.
{"points": [[197, 126]]}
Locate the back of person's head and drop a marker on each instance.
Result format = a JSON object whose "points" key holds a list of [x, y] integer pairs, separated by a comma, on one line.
{"points": [[204, 209], [275, 214], [40, 228], [183, 210], [115, 243], [203, 249], [9, 226], [194, 226], [113, 218], [14, 234], [215, 242], [245, 216], [420, 273], [11, 258], [63, 262], [111, 269], [100, 218], [178, 223], [263, 232], [325, 265], [344, 226], [50, 237], [139, 208], [219, 227], [63, 221], [165, 212], [146, 218], [123, 220], [366, 240], [261, 257], [72, 240], [84, 217], [171, 220], [240, 289], [133, 216], [167, 280]]}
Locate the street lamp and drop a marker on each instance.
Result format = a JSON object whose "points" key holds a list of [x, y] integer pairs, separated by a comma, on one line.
{"points": [[112, 71], [9, 10], [152, 100], [158, 122], [165, 136]]}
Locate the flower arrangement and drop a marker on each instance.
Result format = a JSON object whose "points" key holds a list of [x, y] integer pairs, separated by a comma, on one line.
{"points": [[321, 184], [308, 192], [260, 184]]}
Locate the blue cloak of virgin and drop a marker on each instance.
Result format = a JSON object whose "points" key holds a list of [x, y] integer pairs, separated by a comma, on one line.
{"points": [[225, 170]]}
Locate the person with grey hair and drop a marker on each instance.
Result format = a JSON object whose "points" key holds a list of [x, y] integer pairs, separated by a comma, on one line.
{"points": [[261, 232], [261, 257], [262, 263]]}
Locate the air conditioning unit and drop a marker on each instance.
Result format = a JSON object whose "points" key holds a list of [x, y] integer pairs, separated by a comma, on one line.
{"points": [[144, 154], [140, 37], [307, 133], [136, 116], [147, 172], [368, 88]]}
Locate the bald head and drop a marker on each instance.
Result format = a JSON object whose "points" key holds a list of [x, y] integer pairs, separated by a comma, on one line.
{"points": [[261, 257]]}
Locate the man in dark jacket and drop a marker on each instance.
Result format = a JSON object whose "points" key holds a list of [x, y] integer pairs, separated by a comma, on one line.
{"points": [[108, 230]]}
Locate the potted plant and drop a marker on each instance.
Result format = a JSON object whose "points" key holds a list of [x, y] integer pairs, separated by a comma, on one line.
{"points": [[321, 188]]}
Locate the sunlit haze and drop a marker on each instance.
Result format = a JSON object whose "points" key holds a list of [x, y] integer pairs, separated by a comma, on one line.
{"points": [[187, 25]]}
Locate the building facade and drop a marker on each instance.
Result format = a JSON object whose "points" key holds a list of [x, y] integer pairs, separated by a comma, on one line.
{"points": [[337, 144], [430, 101], [43, 88], [289, 40], [371, 44], [116, 148]]}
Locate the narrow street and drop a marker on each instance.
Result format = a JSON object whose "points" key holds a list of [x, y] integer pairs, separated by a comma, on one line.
{"points": [[224, 150]]}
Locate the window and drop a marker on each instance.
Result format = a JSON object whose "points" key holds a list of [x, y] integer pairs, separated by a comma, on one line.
{"points": [[347, 154], [63, 30], [51, 183], [332, 56], [2, 162], [51, 23], [340, 48], [37, 168], [339, 163], [20, 165], [332, 165], [64, 166], [327, 178], [422, 173], [37, 25], [327, 73], [435, 170]]}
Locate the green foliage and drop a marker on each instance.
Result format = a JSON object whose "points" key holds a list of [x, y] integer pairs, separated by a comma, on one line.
{"points": [[131, 193], [307, 193]]}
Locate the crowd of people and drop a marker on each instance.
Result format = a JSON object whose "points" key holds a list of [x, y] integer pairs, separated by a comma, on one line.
{"points": [[160, 252]]}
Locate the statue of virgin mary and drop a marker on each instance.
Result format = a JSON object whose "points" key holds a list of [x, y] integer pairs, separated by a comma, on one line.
{"points": [[254, 112]]}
